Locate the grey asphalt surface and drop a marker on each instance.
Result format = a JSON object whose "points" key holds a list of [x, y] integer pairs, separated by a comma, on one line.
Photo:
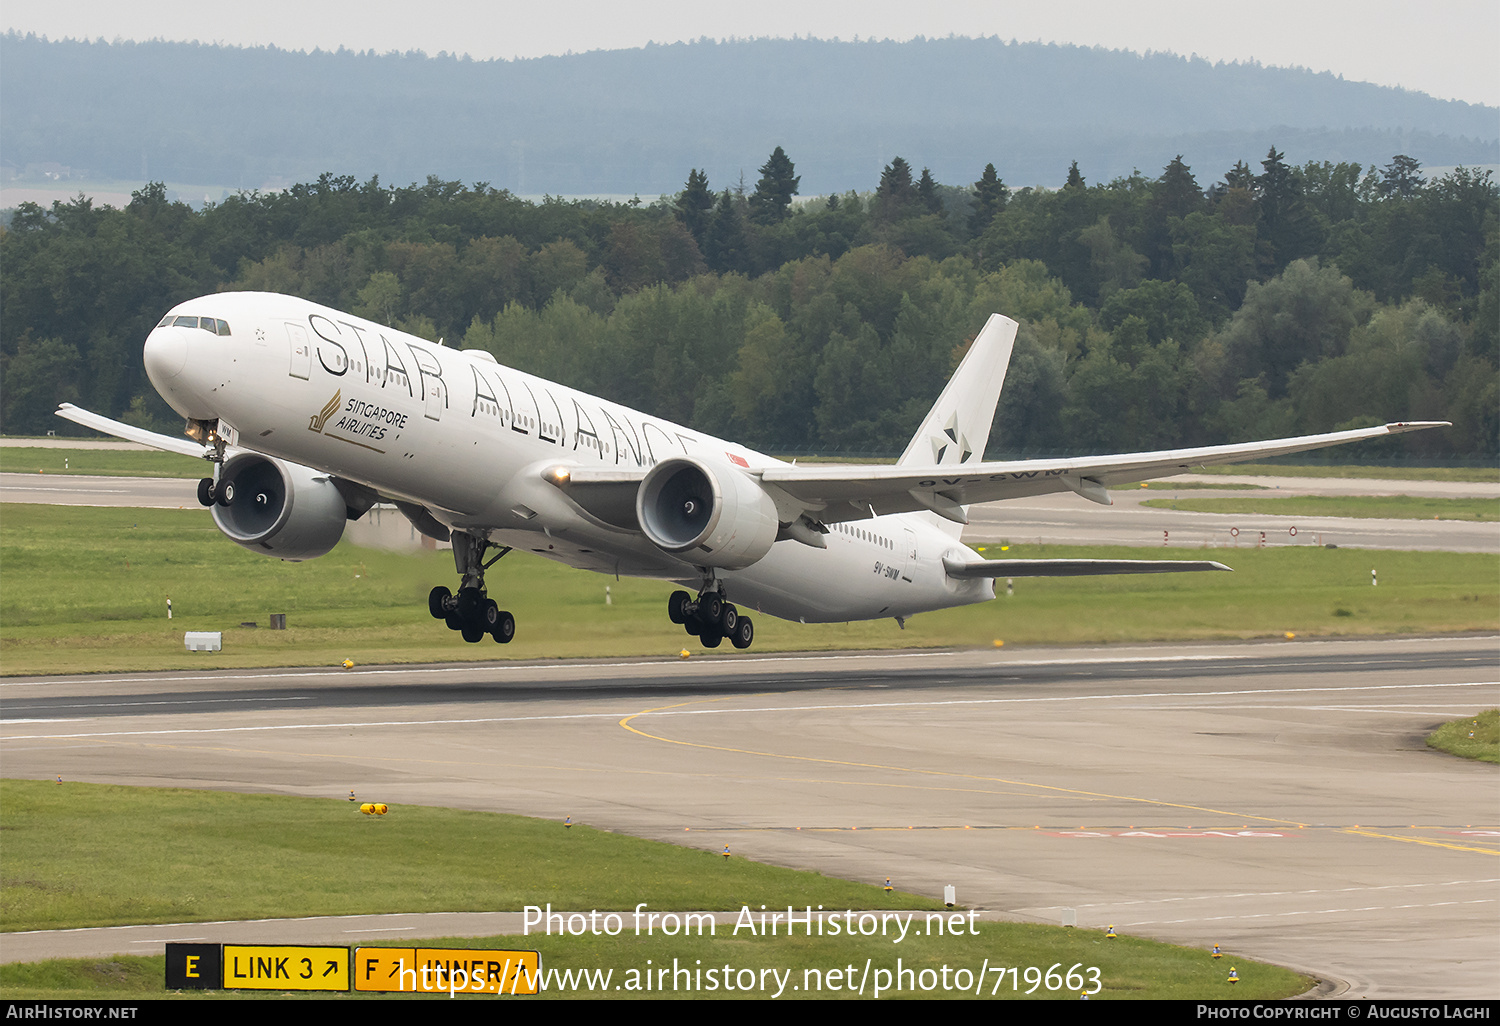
{"points": [[1274, 798]]}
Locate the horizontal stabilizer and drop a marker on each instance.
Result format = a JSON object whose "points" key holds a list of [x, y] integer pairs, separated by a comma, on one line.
{"points": [[1072, 567], [166, 443]]}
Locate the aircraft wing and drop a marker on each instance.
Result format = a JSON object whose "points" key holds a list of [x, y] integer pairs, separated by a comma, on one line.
{"points": [[1071, 567], [833, 493], [167, 443]]}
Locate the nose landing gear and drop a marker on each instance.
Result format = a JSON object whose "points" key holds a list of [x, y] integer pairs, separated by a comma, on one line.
{"points": [[711, 619]]}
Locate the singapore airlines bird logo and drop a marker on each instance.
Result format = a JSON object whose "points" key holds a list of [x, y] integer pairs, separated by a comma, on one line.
{"points": [[316, 423]]}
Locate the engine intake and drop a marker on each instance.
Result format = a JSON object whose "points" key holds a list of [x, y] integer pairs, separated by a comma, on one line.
{"points": [[277, 508], [705, 515]]}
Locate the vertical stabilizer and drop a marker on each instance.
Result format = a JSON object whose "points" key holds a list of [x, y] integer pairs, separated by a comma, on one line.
{"points": [[957, 428]]}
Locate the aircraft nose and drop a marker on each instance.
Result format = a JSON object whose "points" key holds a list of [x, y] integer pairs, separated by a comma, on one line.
{"points": [[172, 356], [165, 355]]}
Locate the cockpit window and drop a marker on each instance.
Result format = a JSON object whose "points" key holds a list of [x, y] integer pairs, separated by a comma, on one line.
{"points": [[212, 325]]}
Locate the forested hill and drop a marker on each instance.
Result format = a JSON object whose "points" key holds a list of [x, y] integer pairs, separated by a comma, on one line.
{"points": [[1188, 308], [629, 121]]}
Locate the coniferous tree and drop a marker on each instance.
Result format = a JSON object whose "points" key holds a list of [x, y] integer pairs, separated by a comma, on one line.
{"points": [[990, 195], [927, 193], [772, 199], [896, 195], [725, 246], [1075, 177], [695, 205]]}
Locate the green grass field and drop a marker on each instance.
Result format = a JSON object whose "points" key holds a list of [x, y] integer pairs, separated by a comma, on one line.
{"points": [[100, 462], [196, 856], [105, 606], [1389, 507], [1473, 737], [1489, 474], [86, 590]]}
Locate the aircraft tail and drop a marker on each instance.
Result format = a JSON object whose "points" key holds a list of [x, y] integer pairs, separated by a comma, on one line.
{"points": [[957, 428]]}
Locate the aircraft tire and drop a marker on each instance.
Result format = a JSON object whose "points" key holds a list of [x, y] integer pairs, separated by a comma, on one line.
{"points": [[206, 491], [437, 602], [729, 618], [470, 606], [711, 607], [453, 622], [489, 616], [677, 606], [505, 629], [744, 633], [711, 639], [472, 634]]}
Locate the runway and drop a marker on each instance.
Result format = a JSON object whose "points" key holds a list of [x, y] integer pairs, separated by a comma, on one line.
{"points": [[1274, 798]]}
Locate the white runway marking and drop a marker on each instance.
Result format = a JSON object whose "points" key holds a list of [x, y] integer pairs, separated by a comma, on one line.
{"points": [[472, 721]]}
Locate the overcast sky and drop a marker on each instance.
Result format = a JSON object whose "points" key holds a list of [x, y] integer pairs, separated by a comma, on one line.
{"points": [[1448, 48]]}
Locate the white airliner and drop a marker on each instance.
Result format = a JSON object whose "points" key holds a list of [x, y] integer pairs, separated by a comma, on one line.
{"points": [[311, 416]]}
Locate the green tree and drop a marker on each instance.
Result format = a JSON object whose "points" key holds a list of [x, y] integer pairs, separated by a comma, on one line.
{"points": [[927, 193], [1401, 178], [896, 195], [1286, 223], [695, 205], [1304, 314], [990, 195], [772, 199], [1175, 195], [726, 249]]}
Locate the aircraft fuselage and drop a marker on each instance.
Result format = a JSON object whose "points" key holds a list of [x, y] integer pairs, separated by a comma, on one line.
{"points": [[471, 440]]}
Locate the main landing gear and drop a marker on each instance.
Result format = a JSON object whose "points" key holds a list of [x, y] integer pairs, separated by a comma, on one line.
{"points": [[471, 612], [711, 618]]}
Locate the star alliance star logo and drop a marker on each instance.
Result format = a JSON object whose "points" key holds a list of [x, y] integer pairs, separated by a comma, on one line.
{"points": [[952, 439]]}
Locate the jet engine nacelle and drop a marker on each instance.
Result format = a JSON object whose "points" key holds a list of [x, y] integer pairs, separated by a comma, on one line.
{"points": [[705, 515], [278, 509]]}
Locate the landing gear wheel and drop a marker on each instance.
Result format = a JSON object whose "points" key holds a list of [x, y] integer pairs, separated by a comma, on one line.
{"points": [[711, 607], [505, 629], [692, 625], [489, 616], [677, 606], [711, 639], [439, 600], [472, 634], [224, 494], [470, 604], [729, 619], [206, 491], [453, 622], [744, 633]]}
